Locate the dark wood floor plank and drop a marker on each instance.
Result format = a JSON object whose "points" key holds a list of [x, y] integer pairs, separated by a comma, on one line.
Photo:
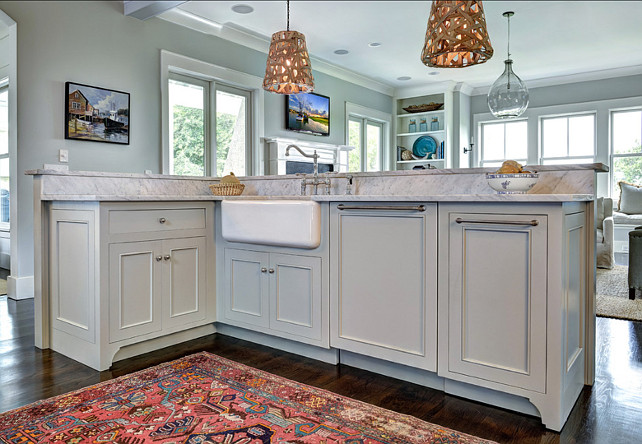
{"points": [[609, 412]]}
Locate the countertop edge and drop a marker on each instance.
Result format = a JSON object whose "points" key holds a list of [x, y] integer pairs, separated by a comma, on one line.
{"points": [[471, 198]]}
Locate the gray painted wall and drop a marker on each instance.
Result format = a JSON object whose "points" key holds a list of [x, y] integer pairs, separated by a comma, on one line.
{"points": [[94, 43], [590, 91]]}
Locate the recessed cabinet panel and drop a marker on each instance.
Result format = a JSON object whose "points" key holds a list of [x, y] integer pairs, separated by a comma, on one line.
{"points": [[574, 291], [72, 272], [497, 298], [246, 289], [295, 294], [184, 262], [384, 283], [134, 287]]}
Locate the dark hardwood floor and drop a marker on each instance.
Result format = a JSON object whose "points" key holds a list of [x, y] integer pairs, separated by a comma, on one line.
{"points": [[609, 412]]}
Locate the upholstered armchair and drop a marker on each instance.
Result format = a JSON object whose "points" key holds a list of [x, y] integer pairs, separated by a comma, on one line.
{"points": [[604, 233]]}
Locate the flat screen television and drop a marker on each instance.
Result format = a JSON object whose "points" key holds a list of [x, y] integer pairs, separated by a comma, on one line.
{"points": [[308, 113]]}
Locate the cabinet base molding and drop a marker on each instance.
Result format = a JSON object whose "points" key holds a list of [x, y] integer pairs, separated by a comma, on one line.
{"points": [[393, 370], [330, 356], [492, 397], [150, 345]]}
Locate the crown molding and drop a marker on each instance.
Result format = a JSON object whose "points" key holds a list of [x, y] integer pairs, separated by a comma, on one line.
{"points": [[144, 10], [262, 44], [571, 78], [425, 90]]}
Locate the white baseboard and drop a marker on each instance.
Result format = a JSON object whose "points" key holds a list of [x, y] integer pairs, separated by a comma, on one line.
{"points": [[20, 287]]}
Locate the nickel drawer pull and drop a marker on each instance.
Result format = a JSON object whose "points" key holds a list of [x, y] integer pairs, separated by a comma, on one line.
{"points": [[533, 222], [382, 207]]}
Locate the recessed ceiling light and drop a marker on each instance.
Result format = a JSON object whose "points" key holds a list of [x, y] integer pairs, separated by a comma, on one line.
{"points": [[404, 78], [242, 9], [374, 44], [433, 73], [341, 51]]}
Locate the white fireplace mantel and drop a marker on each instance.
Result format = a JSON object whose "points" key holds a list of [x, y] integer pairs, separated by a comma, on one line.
{"points": [[328, 153]]}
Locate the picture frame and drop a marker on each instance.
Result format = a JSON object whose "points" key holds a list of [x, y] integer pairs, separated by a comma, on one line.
{"points": [[96, 114], [308, 113]]}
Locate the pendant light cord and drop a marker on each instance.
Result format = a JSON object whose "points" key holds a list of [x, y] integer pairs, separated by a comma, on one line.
{"points": [[288, 3], [508, 46]]}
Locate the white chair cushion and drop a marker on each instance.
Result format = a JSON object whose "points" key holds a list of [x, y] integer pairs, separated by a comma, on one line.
{"points": [[627, 219]]}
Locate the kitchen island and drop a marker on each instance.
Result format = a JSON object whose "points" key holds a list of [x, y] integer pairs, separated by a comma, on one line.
{"points": [[482, 295]]}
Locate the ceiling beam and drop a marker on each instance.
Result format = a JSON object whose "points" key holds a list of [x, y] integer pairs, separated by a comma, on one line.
{"points": [[143, 10]]}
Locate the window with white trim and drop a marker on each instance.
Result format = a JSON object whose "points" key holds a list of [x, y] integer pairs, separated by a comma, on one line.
{"points": [[368, 131], [366, 136], [626, 149], [209, 127], [503, 140], [4, 155], [567, 139], [212, 118]]}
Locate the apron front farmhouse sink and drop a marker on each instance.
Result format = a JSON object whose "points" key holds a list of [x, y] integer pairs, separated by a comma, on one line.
{"points": [[284, 223]]}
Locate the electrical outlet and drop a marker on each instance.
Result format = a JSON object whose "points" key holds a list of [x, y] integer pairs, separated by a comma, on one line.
{"points": [[63, 156]]}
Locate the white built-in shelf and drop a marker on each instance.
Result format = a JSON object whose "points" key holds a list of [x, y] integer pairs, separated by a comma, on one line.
{"points": [[419, 161], [425, 113], [420, 133]]}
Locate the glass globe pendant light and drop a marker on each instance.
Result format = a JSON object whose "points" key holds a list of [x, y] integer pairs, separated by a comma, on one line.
{"points": [[508, 97]]}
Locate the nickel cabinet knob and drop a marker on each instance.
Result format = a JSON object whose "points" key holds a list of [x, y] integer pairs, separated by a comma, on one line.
{"points": [[159, 258], [167, 257], [263, 270], [271, 270], [162, 220]]}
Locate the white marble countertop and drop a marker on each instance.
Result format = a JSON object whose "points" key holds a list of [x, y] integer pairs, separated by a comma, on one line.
{"points": [[568, 184]]}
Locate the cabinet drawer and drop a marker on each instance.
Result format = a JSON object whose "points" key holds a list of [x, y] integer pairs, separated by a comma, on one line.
{"points": [[137, 221]]}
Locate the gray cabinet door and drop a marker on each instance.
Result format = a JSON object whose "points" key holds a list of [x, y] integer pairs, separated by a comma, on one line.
{"points": [[184, 281], [497, 298], [295, 295], [246, 287], [72, 273], [383, 290], [134, 289]]}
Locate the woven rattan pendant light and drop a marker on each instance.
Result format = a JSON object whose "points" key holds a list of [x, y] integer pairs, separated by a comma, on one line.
{"points": [[508, 97], [288, 68], [456, 36]]}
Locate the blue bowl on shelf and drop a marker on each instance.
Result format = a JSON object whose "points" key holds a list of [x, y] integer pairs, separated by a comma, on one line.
{"points": [[424, 146]]}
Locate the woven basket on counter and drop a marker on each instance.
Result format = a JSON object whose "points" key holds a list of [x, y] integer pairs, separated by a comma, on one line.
{"points": [[227, 189]]}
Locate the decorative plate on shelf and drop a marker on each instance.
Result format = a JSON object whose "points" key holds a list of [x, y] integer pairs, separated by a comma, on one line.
{"points": [[424, 146]]}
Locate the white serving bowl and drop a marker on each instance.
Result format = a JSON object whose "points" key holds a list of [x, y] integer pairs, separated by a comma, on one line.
{"points": [[517, 183]]}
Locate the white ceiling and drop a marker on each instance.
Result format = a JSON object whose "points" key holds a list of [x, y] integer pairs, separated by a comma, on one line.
{"points": [[549, 39]]}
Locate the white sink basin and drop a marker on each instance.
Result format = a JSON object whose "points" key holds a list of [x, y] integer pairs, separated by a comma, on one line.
{"points": [[285, 223]]}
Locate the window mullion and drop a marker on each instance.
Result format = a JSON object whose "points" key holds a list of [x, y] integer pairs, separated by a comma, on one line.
{"points": [[364, 148]]}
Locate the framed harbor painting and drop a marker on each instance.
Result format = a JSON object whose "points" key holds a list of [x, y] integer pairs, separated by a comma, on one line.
{"points": [[96, 114]]}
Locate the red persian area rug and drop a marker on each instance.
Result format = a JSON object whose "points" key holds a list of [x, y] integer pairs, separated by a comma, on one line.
{"points": [[203, 399]]}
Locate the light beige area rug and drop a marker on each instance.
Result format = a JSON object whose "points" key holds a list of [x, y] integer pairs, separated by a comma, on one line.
{"points": [[3, 287], [613, 295]]}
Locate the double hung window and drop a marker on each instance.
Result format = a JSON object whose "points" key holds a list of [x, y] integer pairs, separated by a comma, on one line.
{"points": [[209, 127], [503, 140], [567, 139], [626, 149]]}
